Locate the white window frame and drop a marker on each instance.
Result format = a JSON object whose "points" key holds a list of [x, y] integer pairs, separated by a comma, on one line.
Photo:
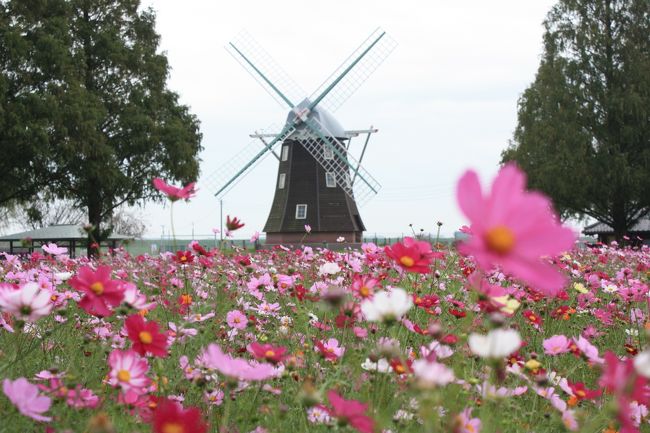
{"points": [[328, 152], [285, 152], [282, 179], [330, 179], [298, 208]]}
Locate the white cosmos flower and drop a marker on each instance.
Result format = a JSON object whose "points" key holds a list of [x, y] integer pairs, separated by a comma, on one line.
{"points": [[642, 363], [385, 306], [329, 268], [498, 343], [63, 276], [28, 303], [381, 366]]}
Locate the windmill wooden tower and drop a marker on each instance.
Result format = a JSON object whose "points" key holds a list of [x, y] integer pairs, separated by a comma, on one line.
{"points": [[319, 182]]}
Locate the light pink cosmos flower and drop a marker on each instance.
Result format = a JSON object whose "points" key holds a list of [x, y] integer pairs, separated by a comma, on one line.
{"points": [[588, 350], [236, 319], [128, 372], [54, 249], [237, 368], [28, 303], [513, 228], [431, 374], [466, 424], [556, 345], [26, 398]]}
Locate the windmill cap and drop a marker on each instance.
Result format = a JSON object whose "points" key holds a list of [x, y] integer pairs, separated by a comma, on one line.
{"points": [[330, 126]]}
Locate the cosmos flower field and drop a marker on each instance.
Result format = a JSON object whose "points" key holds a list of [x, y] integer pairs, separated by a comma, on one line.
{"points": [[518, 329]]}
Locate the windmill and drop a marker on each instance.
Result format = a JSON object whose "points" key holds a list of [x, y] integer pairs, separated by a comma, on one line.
{"points": [[319, 182]]}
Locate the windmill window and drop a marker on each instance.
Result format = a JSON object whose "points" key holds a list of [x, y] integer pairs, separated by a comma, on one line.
{"points": [[281, 179], [328, 152], [301, 211], [285, 153], [330, 180]]}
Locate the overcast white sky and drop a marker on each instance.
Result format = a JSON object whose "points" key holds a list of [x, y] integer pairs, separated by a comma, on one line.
{"points": [[444, 101]]}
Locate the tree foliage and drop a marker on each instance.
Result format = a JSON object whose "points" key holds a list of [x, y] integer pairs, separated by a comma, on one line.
{"points": [[583, 133], [85, 109]]}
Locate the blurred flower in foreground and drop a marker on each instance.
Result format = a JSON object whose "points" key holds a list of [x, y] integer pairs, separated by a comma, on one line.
{"points": [[498, 343], [174, 193], [513, 229], [236, 368], [171, 417], [351, 412], [387, 306], [54, 249], [25, 397]]}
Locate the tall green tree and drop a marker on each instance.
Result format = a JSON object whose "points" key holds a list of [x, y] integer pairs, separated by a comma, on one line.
{"points": [[583, 133], [85, 110]]}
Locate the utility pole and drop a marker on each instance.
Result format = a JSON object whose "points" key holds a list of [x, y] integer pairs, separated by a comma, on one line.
{"points": [[221, 220]]}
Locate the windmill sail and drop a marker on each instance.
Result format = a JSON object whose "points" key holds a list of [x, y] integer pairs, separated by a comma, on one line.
{"points": [[265, 70], [355, 70], [224, 178]]}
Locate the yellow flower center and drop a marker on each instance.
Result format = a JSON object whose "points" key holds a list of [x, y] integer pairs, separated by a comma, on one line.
{"points": [[407, 261], [145, 337], [183, 259], [269, 354], [123, 376], [500, 239], [97, 288], [364, 291], [172, 427]]}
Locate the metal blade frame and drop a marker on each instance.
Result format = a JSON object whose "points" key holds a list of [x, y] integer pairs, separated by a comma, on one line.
{"points": [[286, 131], [343, 177]]}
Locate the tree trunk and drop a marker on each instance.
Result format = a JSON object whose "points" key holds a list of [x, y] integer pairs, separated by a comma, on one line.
{"points": [[620, 221], [95, 219]]}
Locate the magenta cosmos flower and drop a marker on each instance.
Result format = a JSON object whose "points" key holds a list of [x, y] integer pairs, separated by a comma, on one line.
{"points": [[26, 398], [174, 193], [514, 229], [99, 289], [237, 368], [351, 412]]}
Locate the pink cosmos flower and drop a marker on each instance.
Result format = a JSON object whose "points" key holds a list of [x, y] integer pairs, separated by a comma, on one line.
{"points": [[330, 349], [513, 229], [174, 193], [237, 368], [465, 423], [100, 291], [556, 345], [352, 412], [128, 372], [28, 303], [25, 397], [236, 319], [54, 249]]}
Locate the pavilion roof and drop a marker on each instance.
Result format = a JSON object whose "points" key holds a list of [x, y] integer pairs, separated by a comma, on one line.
{"points": [[643, 225], [57, 232]]}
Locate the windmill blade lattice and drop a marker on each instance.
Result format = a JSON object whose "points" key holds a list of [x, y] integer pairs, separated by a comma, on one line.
{"points": [[348, 85], [342, 165], [245, 49], [224, 178]]}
